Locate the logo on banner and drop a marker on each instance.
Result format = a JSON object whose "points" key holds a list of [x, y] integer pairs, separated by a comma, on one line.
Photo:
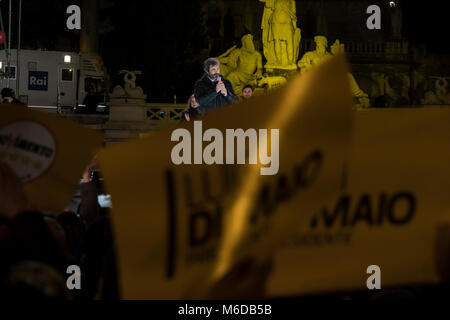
{"points": [[28, 148], [38, 80]]}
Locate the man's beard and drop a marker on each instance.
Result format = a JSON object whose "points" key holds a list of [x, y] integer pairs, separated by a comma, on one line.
{"points": [[214, 77], [249, 47]]}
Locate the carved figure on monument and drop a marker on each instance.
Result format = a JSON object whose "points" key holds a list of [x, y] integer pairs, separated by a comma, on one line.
{"points": [[337, 47], [440, 96], [313, 58], [242, 66], [272, 82], [281, 36], [359, 95], [130, 90]]}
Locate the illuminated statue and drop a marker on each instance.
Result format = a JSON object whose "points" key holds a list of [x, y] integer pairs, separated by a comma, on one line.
{"points": [[320, 54], [242, 66], [357, 93], [281, 37], [130, 90], [313, 58], [272, 82]]}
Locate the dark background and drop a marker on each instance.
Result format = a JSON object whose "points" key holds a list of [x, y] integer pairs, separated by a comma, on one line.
{"points": [[169, 39]]}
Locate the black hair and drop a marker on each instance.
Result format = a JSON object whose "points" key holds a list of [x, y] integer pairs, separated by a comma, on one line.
{"points": [[248, 86], [7, 92], [210, 62]]}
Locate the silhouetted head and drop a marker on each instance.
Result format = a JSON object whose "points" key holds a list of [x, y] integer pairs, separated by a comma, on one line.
{"points": [[192, 102], [33, 239], [7, 92], [34, 281]]}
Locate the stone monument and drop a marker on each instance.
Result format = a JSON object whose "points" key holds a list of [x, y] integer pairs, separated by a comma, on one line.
{"points": [[128, 110], [320, 54], [280, 34], [242, 66], [361, 98], [130, 90], [440, 96], [127, 102], [313, 58]]}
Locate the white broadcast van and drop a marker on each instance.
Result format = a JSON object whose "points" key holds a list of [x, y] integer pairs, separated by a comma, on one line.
{"points": [[52, 79]]}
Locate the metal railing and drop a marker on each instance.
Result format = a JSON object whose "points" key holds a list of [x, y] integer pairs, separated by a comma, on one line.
{"points": [[365, 48], [163, 113]]}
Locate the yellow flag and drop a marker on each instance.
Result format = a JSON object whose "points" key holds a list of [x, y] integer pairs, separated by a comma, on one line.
{"points": [[190, 202], [381, 231], [48, 153]]}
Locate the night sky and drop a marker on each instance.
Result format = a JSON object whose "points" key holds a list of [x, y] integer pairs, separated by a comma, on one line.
{"points": [[427, 22], [168, 39]]}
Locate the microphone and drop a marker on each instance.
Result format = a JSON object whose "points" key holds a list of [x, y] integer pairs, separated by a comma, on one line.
{"points": [[219, 80]]}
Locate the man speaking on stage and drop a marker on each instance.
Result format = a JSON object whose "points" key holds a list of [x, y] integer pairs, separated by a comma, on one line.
{"points": [[212, 91]]}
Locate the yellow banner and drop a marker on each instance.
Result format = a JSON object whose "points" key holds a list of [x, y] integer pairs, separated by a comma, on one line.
{"points": [[191, 202], [395, 199], [48, 153]]}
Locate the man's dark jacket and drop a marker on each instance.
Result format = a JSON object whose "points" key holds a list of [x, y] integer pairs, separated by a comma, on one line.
{"points": [[207, 97]]}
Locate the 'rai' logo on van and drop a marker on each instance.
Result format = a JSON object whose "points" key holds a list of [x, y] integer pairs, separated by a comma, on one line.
{"points": [[38, 80]]}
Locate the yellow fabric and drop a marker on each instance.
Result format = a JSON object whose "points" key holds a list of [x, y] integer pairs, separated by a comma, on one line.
{"points": [[54, 153], [393, 203]]}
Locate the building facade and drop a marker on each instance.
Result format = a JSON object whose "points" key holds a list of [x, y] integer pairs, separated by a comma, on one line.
{"points": [[384, 63]]}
